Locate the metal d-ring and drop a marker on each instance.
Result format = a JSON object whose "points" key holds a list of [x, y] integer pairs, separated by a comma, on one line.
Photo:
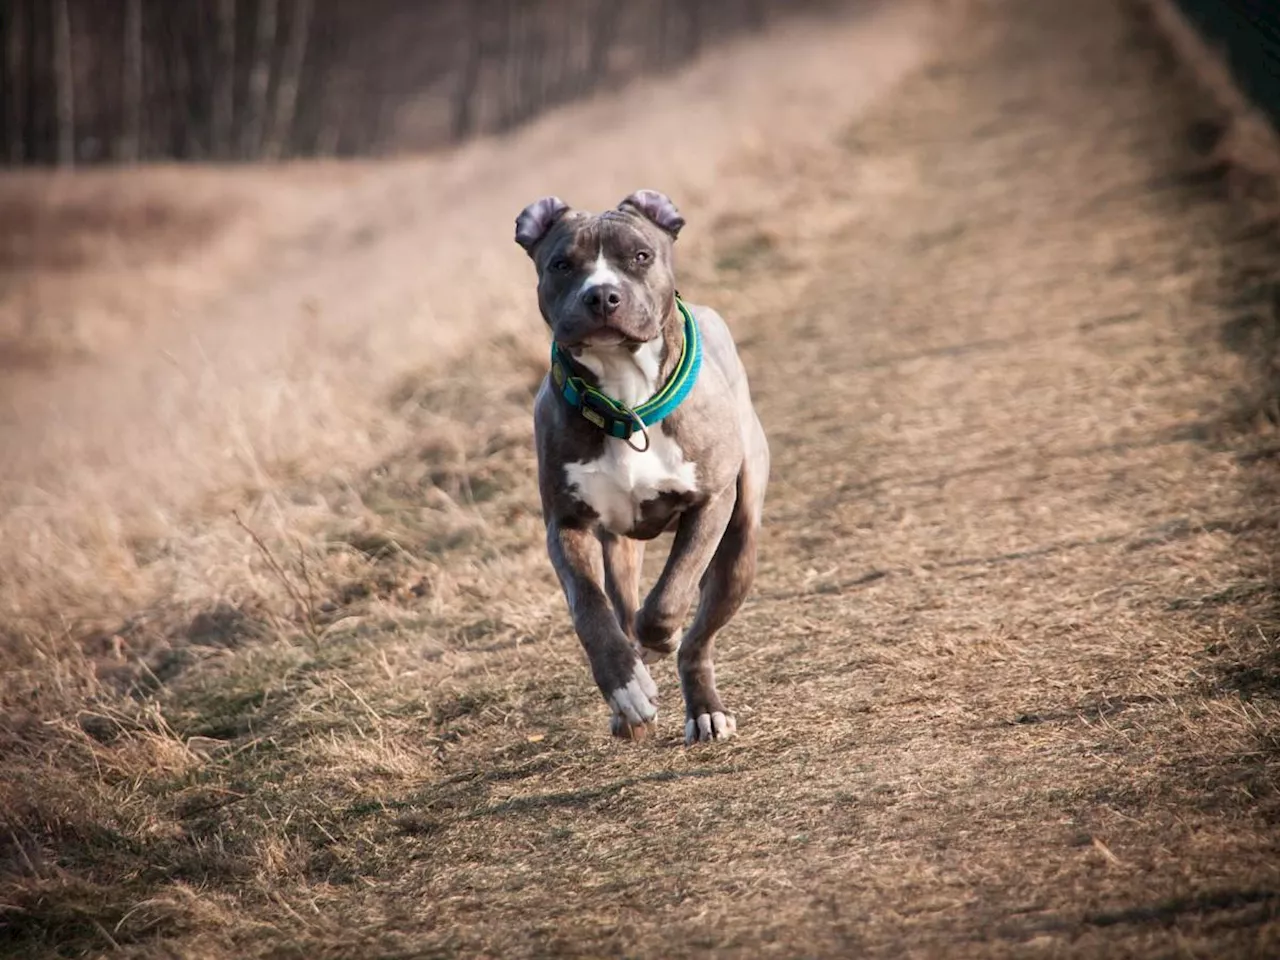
{"points": [[635, 418]]}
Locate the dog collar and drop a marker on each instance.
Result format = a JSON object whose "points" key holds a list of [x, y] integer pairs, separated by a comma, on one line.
{"points": [[613, 416]]}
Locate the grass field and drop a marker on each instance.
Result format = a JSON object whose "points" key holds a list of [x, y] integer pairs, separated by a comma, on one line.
{"points": [[302, 684]]}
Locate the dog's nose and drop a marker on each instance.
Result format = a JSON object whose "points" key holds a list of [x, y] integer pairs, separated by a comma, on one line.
{"points": [[603, 299]]}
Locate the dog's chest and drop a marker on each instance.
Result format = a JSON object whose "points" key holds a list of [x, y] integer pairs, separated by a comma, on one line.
{"points": [[618, 483]]}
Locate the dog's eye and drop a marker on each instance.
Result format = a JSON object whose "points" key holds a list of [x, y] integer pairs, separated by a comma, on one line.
{"points": [[561, 265], [643, 256]]}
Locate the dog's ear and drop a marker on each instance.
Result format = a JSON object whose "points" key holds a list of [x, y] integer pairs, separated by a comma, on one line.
{"points": [[536, 219], [657, 207]]}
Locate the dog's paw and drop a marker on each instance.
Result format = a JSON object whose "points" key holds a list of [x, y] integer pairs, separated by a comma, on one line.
{"points": [[709, 726], [656, 633], [634, 705], [704, 712], [652, 654], [624, 729]]}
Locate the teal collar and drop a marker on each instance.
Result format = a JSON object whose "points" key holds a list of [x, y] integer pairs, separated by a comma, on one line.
{"points": [[613, 416]]}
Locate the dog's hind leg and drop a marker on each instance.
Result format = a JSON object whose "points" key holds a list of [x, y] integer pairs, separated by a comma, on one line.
{"points": [[622, 559], [723, 588]]}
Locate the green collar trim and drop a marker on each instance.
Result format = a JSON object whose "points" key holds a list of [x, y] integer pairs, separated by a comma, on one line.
{"points": [[613, 416]]}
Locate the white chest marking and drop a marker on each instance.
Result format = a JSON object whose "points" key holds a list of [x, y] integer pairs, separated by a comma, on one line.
{"points": [[620, 481], [624, 374]]}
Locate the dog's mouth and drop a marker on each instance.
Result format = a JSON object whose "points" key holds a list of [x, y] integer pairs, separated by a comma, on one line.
{"points": [[602, 338]]}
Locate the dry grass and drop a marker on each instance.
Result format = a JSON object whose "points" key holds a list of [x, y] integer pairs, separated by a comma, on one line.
{"points": [[93, 264], [1007, 687], [392, 268]]}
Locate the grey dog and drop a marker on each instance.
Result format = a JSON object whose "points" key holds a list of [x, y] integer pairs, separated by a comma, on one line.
{"points": [[643, 425]]}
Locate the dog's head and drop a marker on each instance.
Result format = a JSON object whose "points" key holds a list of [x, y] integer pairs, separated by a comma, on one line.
{"points": [[603, 278]]}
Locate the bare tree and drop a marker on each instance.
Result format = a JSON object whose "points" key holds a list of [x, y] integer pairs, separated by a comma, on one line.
{"points": [[523, 53], [224, 79], [466, 91], [64, 79], [181, 87], [663, 30], [531, 62], [264, 43], [604, 24], [290, 74], [15, 80], [695, 17], [131, 136], [269, 78]]}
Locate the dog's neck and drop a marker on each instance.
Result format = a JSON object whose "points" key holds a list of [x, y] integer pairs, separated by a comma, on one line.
{"points": [[633, 373]]}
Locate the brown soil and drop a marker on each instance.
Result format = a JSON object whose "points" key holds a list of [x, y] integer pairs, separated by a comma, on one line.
{"points": [[1008, 683]]}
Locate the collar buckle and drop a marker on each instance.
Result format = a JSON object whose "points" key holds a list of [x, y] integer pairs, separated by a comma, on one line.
{"points": [[607, 416]]}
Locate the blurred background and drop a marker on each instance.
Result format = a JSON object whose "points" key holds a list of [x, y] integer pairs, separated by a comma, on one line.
{"points": [[1247, 34], [134, 80], [284, 670], [232, 227]]}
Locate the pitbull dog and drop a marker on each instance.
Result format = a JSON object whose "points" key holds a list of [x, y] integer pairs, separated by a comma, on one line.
{"points": [[643, 425]]}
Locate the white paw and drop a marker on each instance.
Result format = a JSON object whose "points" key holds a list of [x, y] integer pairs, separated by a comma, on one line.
{"points": [[650, 655], [709, 726], [636, 702]]}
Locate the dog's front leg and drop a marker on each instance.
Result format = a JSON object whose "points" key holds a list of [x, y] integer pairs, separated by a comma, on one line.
{"points": [[622, 678], [668, 603]]}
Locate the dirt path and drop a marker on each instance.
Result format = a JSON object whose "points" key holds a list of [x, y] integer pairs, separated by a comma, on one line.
{"points": [[1008, 683]]}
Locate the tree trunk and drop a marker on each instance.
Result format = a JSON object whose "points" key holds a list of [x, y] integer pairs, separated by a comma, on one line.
{"points": [[534, 70], [189, 142], [224, 80], [466, 92], [64, 78], [264, 42], [664, 30], [15, 81], [514, 55], [131, 137], [290, 75], [695, 21], [604, 29]]}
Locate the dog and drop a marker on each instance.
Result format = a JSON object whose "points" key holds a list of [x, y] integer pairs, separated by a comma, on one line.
{"points": [[644, 424]]}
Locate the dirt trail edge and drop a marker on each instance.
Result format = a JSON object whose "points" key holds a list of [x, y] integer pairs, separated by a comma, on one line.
{"points": [[1008, 683]]}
